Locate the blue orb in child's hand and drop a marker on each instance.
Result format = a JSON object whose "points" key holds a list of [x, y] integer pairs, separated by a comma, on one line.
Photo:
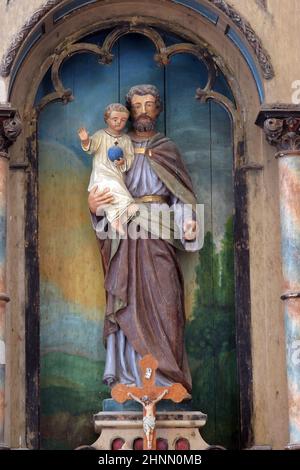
{"points": [[115, 153]]}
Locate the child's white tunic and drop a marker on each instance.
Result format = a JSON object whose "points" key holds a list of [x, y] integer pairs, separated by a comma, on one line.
{"points": [[106, 174]]}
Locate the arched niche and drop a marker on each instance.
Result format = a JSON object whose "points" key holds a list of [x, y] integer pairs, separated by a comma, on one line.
{"points": [[60, 39]]}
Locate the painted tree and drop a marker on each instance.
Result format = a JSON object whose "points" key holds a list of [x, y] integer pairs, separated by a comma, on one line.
{"points": [[211, 340]]}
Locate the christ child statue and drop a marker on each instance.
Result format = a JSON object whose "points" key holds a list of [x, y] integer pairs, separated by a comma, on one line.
{"points": [[113, 156]]}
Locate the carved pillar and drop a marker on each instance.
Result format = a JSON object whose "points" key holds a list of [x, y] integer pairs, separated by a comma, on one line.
{"points": [[10, 128], [282, 129]]}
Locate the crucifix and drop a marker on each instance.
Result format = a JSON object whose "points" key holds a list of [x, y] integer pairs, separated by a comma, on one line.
{"points": [[148, 395]]}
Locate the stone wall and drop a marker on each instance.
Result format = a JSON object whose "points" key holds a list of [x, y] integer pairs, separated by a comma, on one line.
{"points": [[277, 26], [13, 15]]}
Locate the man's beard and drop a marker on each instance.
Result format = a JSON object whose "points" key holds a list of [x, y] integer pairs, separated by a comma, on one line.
{"points": [[144, 123]]}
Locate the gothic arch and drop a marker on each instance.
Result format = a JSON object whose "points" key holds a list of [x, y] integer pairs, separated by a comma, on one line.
{"points": [[243, 25]]}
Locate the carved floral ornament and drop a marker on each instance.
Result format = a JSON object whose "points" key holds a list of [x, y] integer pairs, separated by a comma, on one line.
{"points": [[10, 129], [252, 38], [243, 26], [284, 134], [19, 38]]}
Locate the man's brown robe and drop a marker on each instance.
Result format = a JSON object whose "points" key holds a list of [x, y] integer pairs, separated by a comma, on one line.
{"points": [[143, 279]]}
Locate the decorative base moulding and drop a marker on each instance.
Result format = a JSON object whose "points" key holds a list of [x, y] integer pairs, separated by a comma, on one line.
{"points": [[175, 430]]}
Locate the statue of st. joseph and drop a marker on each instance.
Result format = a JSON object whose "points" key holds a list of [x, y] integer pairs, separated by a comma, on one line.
{"points": [[143, 281]]}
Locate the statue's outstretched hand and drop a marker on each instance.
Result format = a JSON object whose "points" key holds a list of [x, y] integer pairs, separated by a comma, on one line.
{"points": [[99, 199], [190, 229]]}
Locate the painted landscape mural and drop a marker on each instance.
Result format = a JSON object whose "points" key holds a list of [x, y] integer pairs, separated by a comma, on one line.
{"points": [[72, 297]]}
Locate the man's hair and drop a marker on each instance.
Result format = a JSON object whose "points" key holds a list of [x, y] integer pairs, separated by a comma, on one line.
{"points": [[143, 90], [114, 107], [146, 400]]}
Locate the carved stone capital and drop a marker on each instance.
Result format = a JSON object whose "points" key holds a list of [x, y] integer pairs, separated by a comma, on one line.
{"points": [[284, 133], [10, 128], [281, 125]]}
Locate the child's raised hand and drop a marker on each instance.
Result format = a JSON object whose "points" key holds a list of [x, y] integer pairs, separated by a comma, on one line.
{"points": [[83, 134]]}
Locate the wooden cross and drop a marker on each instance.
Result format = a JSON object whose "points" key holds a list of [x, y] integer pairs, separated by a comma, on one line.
{"points": [[148, 395]]}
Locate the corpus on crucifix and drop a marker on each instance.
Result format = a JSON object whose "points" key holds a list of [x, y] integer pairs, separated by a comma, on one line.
{"points": [[148, 396]]}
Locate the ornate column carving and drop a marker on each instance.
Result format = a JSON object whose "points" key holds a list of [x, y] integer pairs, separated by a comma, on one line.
{"points": [[10, 128], [282, 129]]}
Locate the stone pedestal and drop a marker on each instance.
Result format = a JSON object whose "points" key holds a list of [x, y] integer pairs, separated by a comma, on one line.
{"points": [[170, 426]]}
